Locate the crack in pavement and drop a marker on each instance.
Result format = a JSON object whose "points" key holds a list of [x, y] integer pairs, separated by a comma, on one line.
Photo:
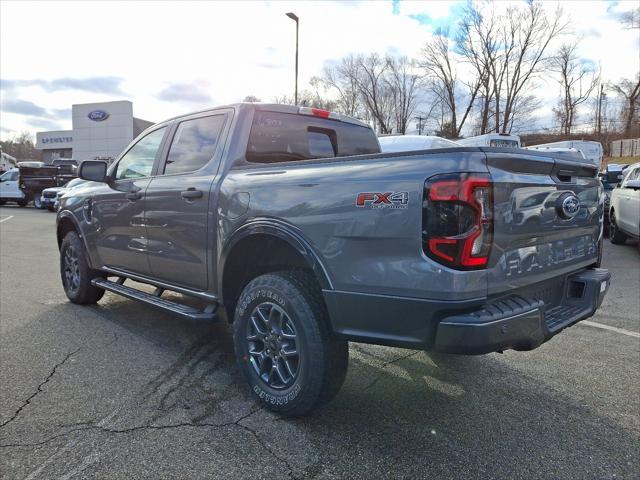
{"points": [[39, 389], [386, 364], [235, 423]]}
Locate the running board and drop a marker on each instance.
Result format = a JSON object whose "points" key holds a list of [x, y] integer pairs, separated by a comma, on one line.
{"points": [[155, 300]]}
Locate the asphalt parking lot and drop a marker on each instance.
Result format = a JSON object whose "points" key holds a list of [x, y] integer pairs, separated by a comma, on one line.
{"points": [[120, 390]]}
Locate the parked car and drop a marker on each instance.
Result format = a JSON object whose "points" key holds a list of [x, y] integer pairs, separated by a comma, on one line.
{"points": [[10, 190], [624, 209], [50, 196], [404, 143], [291, 221], [609, 178]]}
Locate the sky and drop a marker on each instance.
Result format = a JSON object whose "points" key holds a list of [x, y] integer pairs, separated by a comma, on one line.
{"points": [[170, 58]]}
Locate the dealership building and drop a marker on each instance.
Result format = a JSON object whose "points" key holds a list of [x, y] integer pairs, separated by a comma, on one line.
{"points": [[100, 131]]}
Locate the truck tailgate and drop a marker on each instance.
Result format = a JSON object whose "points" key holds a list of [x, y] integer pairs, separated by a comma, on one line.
{"points": [[547, 222]]}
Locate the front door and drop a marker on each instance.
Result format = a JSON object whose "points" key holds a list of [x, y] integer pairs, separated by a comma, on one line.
{"points": [[9, 185], [118, 208], [178, 214]]}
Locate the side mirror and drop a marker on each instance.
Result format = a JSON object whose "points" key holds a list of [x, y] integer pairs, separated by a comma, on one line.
{"points": [[93, 170], [634, 184]]}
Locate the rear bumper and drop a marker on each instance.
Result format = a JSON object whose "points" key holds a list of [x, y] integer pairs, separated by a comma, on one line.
{"points": [[468, 327], [515, 322]]}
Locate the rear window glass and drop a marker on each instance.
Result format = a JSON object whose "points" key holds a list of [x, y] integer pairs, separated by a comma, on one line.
{"points": [[503, 143], [285, 137]]}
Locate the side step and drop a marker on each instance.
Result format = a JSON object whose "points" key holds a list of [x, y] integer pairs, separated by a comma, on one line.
{"points": [[156, 300]]}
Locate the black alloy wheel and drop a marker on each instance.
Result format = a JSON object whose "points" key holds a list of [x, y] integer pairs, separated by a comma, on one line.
{"points": [[273, 345]]}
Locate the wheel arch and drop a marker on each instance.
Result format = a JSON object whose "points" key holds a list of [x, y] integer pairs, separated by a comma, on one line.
{"points": [[243, 257]]}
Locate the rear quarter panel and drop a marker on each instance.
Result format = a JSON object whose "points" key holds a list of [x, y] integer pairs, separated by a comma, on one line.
{"points": [[363, 249]]}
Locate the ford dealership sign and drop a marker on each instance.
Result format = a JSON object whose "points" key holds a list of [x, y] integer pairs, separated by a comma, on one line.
{"points": [[98, 115]]}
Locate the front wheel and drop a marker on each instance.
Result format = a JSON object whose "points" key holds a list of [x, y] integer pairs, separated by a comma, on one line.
{"points": [[283, 344], [616, 236], [75, 272]]}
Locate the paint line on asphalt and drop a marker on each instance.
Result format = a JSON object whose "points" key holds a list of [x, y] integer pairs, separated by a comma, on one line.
{"points": [[610, 328], [5, 219]]}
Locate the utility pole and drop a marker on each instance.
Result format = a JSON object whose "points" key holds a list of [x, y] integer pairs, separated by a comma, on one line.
{"points": [[599, 110], [295, 18]]}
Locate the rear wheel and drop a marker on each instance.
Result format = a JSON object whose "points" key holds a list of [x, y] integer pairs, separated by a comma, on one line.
{"points": [[75, 272], [51, 209], [284, 346], [615, 235], [22, 203], [37, 202]]}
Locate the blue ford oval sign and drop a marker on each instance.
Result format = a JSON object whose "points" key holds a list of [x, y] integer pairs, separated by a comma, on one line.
{"points": [[98, 115]]}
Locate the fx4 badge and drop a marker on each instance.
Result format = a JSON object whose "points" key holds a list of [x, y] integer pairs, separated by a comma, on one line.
{"points": [[398, 200]]}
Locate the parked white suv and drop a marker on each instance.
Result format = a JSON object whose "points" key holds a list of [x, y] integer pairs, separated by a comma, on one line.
{"points": [[624, 209]]}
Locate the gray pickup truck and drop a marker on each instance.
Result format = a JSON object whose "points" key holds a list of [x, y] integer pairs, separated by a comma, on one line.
{"points": [[291, 221]]}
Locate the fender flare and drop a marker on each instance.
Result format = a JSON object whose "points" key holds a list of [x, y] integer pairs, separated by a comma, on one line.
{"points": [[67, 215], [290, 234]]}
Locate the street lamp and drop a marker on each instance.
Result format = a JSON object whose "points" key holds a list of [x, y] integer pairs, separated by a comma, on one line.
{"points": [[295, 18]]}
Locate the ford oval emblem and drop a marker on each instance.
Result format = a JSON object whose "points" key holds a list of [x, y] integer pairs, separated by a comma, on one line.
{"points": [[567, 205], [98, 115]]}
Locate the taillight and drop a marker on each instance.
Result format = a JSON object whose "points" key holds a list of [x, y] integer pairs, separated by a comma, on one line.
{"points": [[457, 224]]}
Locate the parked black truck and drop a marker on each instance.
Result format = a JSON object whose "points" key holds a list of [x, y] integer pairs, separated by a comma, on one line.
{"points": [[291, 221]]}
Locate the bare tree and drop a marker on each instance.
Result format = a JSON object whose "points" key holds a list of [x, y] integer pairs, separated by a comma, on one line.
{"points": [[439, 63], [528, 33], [630, 91], [251, 99], [404, 84], [343, 79], [631, 18], [577, 81]]}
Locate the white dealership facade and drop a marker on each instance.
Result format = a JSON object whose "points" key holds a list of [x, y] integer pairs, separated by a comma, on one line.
{"points": [[100, 131]]}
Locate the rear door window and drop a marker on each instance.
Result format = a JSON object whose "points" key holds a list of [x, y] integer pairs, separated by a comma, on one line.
{"points": [[285, 137], [194, 144]]}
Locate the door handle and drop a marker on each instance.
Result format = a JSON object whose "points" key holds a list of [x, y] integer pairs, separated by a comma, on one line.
{"points": [[133, 196], [191, 194]]}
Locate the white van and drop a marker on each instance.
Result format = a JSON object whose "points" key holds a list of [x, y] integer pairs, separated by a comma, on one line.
{"points": [[407, 143], [592, 151], [491, 140]]}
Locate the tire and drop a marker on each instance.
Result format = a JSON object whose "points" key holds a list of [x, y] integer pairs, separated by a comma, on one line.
{"points": [[298, 322], [51, 209], [22, 203], [37, 202], [75, 272], [616, 236]]}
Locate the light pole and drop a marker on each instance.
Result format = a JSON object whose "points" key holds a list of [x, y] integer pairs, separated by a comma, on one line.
{"points": [[295, 18]]}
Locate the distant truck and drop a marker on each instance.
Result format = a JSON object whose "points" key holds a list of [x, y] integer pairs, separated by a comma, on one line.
{"points": [[503, 140], [407, 143], [36, 176], [592, 151]]}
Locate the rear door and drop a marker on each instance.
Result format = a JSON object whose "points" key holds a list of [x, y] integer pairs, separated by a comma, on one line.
{"points": [[628, 215], [178, 215], [546, 219]]}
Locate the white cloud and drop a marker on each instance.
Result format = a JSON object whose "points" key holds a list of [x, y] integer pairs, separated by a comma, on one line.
{"points": [[228, 49]]}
